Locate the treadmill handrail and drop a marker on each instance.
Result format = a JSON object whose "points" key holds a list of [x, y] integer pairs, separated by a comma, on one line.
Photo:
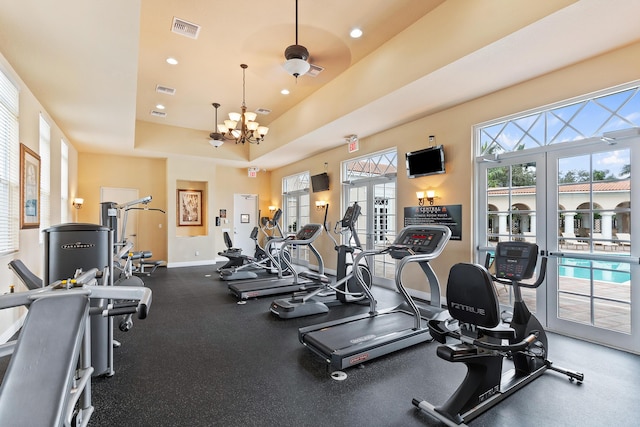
{"points": [[416, 257]]}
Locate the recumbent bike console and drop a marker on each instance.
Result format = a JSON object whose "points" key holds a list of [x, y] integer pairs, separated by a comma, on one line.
{"points": [[516, 260]]}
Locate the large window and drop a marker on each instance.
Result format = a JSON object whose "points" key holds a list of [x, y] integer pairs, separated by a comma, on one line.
{"points": [[587, 118], [45, 176], [563, 177], [295, 196], [9, 166], [371, 181], [64, 182]]}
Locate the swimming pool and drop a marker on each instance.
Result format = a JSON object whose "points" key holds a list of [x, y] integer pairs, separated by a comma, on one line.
{"points": [[602, 271]]}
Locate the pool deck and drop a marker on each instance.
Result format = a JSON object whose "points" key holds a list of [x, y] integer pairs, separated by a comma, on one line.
{"points": [[612, 302]]}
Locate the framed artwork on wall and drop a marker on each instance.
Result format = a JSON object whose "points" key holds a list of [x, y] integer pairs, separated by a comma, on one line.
{"points": [[29, 188], [189, 207]]}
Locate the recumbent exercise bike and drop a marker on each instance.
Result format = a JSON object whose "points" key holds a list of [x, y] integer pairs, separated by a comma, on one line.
{"points": [[476, 322]]}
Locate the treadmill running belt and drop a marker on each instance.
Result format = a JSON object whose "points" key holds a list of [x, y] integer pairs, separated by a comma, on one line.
{"points": [[366, 330]]}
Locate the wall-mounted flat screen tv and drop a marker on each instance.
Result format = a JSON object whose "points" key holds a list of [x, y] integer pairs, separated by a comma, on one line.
{"points": [[320, 182], [428, 161]]}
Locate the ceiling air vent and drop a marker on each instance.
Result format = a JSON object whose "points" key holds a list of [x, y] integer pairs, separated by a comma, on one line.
{"points": [[166, 90], [182, 27], [262, 111], [158, 113], [314, 70]]}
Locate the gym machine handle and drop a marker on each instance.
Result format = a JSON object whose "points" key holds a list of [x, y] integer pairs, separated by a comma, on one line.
{"points": [[142, 313], [502, 347], [541, 275]]}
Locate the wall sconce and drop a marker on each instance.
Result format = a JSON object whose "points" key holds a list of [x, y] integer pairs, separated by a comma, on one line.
{"points": [[430, 196], [77, 202], [320, 204], [420, 196], [272, 209]]}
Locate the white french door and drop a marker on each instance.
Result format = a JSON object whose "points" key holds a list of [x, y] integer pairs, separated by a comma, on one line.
{"points": [[296, 216], [511, 207], [594, 275], [377, 223], [575, 201]]}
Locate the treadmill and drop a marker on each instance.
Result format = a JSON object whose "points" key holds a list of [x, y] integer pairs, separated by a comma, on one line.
{"points": [[353, 340], [253, 289]]}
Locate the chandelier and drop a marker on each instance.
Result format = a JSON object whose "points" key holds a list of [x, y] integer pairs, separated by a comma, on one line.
{"points": [[241, 127]]}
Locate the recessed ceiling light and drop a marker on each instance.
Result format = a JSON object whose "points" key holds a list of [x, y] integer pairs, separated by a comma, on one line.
{"points": [[172, 61], [285, 91], [160, 107], [356, 33]]}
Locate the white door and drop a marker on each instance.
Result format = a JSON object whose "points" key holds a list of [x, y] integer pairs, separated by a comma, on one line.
{"points": [[297, 215], [245, 218], [377, 221], [575, 202], [593, 264], [121, 196]]}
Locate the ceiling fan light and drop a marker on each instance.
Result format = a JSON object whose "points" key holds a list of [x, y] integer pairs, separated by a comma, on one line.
{"points": [[250, 116], [216, 142], [296, 67]]}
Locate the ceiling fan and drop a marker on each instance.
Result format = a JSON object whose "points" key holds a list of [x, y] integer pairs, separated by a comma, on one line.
{"points": [[297, 57]]}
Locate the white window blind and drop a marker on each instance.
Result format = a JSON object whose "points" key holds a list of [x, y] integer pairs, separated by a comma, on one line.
{"points": [[64, 182], [9, 166], [45, 176]]}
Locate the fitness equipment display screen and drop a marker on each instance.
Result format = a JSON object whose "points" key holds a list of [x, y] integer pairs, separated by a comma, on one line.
{"points": [[307, 232], [421, 240], [351, 215], [516, 260]]}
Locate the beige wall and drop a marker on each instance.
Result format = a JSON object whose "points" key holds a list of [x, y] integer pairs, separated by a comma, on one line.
{"points": [[221, 184], [146, 175]]}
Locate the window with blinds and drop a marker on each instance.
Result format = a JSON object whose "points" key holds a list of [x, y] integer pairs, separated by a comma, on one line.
{"points": [[64, 182], [45, 176], [9, 165]]}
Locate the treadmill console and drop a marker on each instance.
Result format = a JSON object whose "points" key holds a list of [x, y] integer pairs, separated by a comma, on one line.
{"points": [[516, 260], [308, 231], [417, 240]]}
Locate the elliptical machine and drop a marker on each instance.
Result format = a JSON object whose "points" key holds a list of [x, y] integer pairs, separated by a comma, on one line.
{"points": [[476, 321], [267, 259], [342, 291]]}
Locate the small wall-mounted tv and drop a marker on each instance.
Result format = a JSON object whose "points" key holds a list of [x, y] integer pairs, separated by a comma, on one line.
{"points": [[428, 161], [319, 182]]}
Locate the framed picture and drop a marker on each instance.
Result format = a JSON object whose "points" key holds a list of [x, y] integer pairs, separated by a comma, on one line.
{"points": [[29, 188], [244, 218], [189, 207]]}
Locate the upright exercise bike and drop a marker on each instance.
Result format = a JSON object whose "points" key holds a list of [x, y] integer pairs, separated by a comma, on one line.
{"points": [[476, 321]]}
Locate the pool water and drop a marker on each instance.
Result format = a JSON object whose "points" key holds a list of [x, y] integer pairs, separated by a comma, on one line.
{"points": [[602, 271]]}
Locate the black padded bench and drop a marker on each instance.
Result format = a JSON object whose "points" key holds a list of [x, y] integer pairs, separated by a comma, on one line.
{"points": [[36, 389]]}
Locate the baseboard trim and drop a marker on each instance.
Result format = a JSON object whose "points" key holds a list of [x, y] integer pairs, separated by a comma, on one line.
{"points": [[195, 263]]}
